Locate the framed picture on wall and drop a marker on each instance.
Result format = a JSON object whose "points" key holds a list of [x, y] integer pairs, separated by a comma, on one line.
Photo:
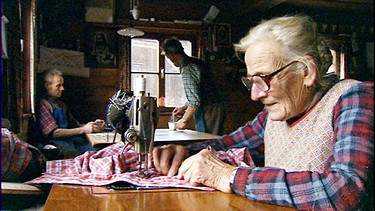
{"points": [[222, 35], [99, 11], [101, 48]]}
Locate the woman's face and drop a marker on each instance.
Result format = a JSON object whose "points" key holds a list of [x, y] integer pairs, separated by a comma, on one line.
{"points": [[284, 99]]}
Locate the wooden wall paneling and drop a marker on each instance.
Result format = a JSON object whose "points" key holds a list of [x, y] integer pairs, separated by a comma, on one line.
{"points": [[124, 63], [28, 64], [88, 98], [12, 66], [102, 84], [165, 11], [240, 109]]}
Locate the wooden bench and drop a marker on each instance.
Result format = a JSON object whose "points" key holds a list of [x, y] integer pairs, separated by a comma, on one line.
{"points": [[20, 189], [20, 196]]}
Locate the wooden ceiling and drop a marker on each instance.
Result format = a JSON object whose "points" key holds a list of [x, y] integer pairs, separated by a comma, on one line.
{"points": [[243, 10], [334, 9], [245, 6]]}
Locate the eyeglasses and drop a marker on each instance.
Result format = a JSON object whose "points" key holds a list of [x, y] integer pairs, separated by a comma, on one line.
{"points": [[261, 81]]}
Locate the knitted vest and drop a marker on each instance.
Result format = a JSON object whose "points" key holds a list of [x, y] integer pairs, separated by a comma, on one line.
{"points": [[306, 145]]}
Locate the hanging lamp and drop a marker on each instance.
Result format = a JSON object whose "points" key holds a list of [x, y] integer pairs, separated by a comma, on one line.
{"points": [[130, 31]]}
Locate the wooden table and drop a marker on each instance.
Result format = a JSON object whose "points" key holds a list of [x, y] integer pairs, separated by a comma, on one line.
{"points": [[75, 197], [87, 198], [162, 136]]}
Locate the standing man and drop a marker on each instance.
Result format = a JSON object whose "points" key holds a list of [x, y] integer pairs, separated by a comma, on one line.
{"points": [[58, 126], [204, 102]]}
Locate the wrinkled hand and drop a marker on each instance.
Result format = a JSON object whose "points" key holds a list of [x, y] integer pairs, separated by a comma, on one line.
{"points": [[206, 169], [168, 158]]}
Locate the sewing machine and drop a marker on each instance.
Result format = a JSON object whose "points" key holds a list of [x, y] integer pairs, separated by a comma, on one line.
{"points": [[142, 119]]}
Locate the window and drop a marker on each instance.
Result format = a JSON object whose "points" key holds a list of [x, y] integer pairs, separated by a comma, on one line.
{"points": [[162, 77], [145, 61], [338, 63]]}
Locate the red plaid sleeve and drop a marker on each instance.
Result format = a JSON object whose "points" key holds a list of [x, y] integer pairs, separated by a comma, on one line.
{"points": [[46, 121], [15, 155]]}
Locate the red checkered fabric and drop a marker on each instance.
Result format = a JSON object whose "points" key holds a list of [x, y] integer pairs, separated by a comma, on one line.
{"points": [[109, 165]]}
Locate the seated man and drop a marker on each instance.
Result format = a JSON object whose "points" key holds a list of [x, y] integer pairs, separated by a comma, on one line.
{"points": [[57, 125], [20, 161]]}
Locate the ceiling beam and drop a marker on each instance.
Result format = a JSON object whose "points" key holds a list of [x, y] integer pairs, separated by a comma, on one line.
{"points": [[257, 7]]}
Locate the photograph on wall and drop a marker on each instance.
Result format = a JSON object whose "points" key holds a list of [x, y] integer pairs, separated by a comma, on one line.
{"points": [[99, 11], [222, 35], [101, 48]]}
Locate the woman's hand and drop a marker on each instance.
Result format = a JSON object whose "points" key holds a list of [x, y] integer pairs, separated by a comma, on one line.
{"points": [[206, 169], [168, 158]]}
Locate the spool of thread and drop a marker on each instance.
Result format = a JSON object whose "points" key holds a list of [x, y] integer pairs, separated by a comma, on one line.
{"points": [[161, 101], [140, 85]]}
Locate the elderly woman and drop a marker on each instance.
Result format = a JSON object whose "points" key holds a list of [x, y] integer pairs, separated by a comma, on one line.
{"points": [[315, 134]]}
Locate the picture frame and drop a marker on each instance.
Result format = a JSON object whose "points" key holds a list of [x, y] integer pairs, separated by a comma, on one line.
{"points": [[223, 35], [100, 11], [101, 47]]}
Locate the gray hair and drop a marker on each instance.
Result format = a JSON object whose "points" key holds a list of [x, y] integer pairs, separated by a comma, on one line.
{"points": [[50, 73], [298, 37], [173, 46]]}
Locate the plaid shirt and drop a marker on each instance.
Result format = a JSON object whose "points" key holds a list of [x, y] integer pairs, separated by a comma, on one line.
{"points": [[191, 78], [199, 85], [347, 180], [47, 122], [15, 155]]}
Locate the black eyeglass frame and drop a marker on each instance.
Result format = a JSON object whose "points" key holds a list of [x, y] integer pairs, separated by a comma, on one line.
{"points": [[248, 81]]}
